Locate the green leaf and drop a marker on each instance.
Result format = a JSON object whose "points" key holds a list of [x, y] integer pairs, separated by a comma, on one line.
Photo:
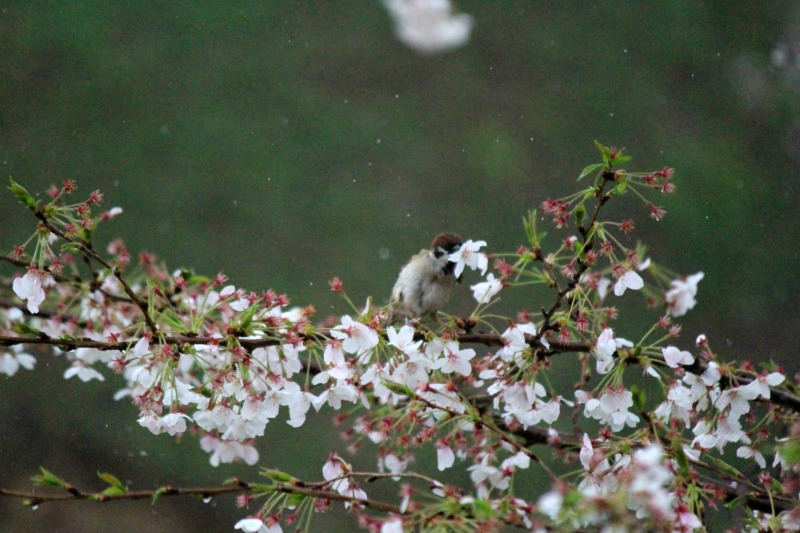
{"points": [[398, 388], [277, 476], [246, 317], [534, 236], [680, 457], [605, 152], [620, 188], [580, 214], [48, 479], [483, 510], [790, 452], [198, 279], [22, 195], [620, 160], [72, 247], [639, 397], [591, 168], [24, 329], [159, 491], [114, 483], [736, 502], [261, 488], [294, 500], [722, 465], [172, 318]]}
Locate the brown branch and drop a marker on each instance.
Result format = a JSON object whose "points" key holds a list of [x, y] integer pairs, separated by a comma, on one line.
{"points": [[25, 264], [75, 494], [588, 244], [328, 495], [486, 339], [778, 396]]}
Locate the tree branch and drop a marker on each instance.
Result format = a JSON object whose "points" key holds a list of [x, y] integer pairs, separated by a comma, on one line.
{"points": [[88, 252]]}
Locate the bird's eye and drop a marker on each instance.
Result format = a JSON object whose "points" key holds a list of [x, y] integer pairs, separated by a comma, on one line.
{"points": [[438, 252]]}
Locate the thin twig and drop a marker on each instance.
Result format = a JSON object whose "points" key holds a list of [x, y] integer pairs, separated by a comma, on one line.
{"points": [[87, 251]]}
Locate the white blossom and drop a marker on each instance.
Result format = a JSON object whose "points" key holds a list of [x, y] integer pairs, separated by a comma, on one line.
{"points": [[468, 255], [675, 357], [444, 456], [629, 280], [681, 296], [11, 362], [31, 286], [486, 290], [429, 26]]}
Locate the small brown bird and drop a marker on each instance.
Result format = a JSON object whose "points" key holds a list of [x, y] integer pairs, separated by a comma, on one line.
{"points": [[425, 282]]}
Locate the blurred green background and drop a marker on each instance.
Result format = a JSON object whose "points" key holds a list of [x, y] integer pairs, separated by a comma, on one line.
{"points": [[285, 143]]}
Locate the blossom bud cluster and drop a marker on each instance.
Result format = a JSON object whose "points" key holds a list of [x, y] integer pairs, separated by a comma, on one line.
{"points": [[642, 421]]}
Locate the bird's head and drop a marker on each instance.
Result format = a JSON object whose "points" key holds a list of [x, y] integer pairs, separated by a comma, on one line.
{"points": [[443, 245]]}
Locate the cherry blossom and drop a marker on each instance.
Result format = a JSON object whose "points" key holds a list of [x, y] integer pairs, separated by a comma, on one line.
{"points": [[612, 409], [605, 348], [483, 292], [11, 362], [675, 357], [678, 405], [84, 373], [257, 525], [514, 342], [468, 255], [455, 361], [251, 525], [31, 287], [393, 525], [403, 340], [199, 357], [228, 451], [681, 296], [357, 338], [413, 372], [445, 458], [429, 26], [749, 452], [629, 280], [172, 424]]}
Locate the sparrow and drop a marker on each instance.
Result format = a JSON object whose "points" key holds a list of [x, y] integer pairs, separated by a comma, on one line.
{"points": [[425, 282]]}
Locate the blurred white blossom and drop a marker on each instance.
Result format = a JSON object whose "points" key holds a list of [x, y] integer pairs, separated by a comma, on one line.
{"points": [[429, 26]]}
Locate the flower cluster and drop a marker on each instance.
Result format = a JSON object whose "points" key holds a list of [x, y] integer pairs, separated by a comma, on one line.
{"points": [[644, 422]]}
